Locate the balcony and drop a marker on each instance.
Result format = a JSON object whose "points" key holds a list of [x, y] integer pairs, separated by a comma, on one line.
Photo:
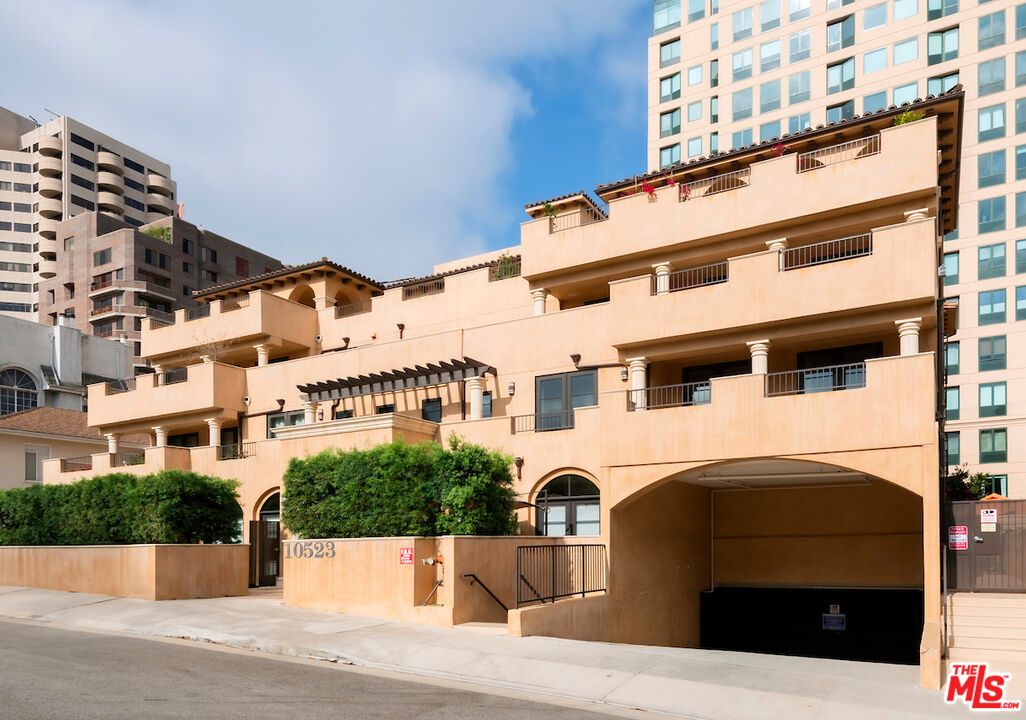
{"points": [[178, 396], [260, 318], [110, 162], [48, 228], [111, 182], [47, 268], [357, 308], [51, 167], [49, 146], [158, 184], [107, 286], [50, 208], [158, 203], [50, 187], [140, 462], [105, 312], [882, 403], [642, 226], [110, 202]]}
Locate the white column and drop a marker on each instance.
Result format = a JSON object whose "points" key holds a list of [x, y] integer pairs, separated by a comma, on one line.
{"points": [[780, 244], [214, 424], [157, 369], [662, 276], [207, 358], [262, 354], [917, 214], [309, 412], [760, 355], [637, 368], [112, 442], [161, 433], [539, 297], [908, 335], [475, 393]]}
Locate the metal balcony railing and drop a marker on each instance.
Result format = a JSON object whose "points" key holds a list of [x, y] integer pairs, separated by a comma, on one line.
{"points": [[350, 309], [235, 451], [127, 459], [505, 268], [74, 464], [714, 185], [550, 572], [664, 396], [692, 278], [576, 218], [842, 152], [542, 422], [229, 304], [815, 380], [173, 376], [827, 252], [197, 312], [432, 287], [119, 386]]}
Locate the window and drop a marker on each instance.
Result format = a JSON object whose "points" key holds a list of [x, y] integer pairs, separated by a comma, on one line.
{"points": [[769, 56], [993, 401], [82, 182], [990, 169], [797, 123], [991, 122], [769, 131], [992, 306], [993, 445], [942, 46], [669, 53], [991, 215], [940, 8], [669, 155], [83, 203], [951, 442], [666, 15], [285, 419], [996, 484], [742, 104], [22, 207], [568, 505], [133, 165], [905, 9], [1020, 209], [993, 352], [874, 60], [431, 409], [769, 96], [942, 83], [769, 15], [834, 4], [669, 88], [798, 9], [82, 162], [696, 10], [669, 123], [1020, 115], [951, 403], [241, 267], [208, 255], [742, 22], [874, 16], [695, 75], [951, 358], [906, 51], [694, 147], [1020, 67], [991, 32], [714, 73], [79, 140], [741, 138], [714, 36], [187, 246], [102, 257], [1020, 21], [841, 34], [951, 268], [134, 185], [17, 391], [844, 111], [1020, 302], [209, 275], [800, 46], [34, 457], [991, 76], [695, 111], [486, 404], [874, 102], [1020, 256], [22, 227], [22, 187], [841, 76], [741, 62], [799, 87], [556, 397], [714, 109], [714, 143]]}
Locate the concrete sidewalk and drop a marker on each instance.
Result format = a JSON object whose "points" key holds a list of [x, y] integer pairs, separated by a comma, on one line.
{"points": [[676, 681]]}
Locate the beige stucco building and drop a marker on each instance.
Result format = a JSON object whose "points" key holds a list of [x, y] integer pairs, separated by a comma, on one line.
{"points": [[726, 75], [728, 381]]}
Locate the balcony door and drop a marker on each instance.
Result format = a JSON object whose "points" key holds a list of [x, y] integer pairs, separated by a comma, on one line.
{"points": [[838, 368], [556, 396]]}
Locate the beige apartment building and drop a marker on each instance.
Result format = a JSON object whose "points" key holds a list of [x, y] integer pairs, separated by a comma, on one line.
{"points": [[722, 384], [728, 75]]}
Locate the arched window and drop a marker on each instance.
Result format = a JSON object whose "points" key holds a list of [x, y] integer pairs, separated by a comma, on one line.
{"points": [[304, 295], [271, 509], [17, 391], [568, 505]]}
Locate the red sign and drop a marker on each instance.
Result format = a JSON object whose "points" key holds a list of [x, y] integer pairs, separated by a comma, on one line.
{"points": [[974, 686], [958, 537], [406, 556]]}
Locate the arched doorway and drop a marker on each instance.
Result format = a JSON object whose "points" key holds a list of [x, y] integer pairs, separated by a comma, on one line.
{"points": [[265, 543], [303, 294], [568, 505]]}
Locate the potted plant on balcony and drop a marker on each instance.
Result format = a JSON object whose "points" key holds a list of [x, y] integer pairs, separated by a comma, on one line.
{"points": [[909, 116], [548, 210]]}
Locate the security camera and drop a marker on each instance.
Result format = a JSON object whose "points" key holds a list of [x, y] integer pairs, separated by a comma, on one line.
{"points": [[245, 400], [317, 338], [428, 561]]}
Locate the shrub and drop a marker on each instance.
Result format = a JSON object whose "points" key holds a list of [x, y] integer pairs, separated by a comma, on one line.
{"points": [[161, 233], [171, 506], [400, 490], [909, 116]]}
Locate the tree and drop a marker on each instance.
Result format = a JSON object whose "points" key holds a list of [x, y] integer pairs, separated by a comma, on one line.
{"points": [[963, 485]]}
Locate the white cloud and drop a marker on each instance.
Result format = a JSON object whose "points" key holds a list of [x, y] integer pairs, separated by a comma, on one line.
{"points": [[375, 133]]}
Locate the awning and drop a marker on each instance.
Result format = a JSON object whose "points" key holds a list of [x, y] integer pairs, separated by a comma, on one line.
{"points": [[407, 378]]}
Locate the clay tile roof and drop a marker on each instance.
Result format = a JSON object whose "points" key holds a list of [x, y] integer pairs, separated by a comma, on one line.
{"points": [[55, 421], [286, 271], [457, 271], [582, 193]]}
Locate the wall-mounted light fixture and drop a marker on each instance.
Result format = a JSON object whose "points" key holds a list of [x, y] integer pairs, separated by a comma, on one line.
{"points": [[402, 327], [320, 414], [512, 388], [519, 462], [576, 358], [623, 373], [345, 343]]}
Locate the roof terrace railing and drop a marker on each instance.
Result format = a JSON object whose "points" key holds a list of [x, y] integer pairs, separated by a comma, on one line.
{"points": [[74, 464], [432, 287], [816, 380], [173, 376], [119, 386], [127, 459], [691, 278], [356, 308], [842, 152], [542, 422], [827, 252], [664, 396], [235, 451], [504, 268], [576, 218], [229, 304], [714, 185], [197, 312]]}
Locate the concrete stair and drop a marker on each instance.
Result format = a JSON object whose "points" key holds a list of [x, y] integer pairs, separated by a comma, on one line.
{"points": [[987, 627]]}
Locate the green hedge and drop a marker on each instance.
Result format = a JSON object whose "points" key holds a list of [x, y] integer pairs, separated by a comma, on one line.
{"points": [[171, 506], [398, 489]]}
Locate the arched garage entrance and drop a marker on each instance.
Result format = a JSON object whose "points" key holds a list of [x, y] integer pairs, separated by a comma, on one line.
{"points": [[778, 556]]}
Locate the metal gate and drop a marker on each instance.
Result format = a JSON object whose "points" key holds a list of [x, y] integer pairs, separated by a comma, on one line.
{"points": [[264, 553], [995, 559]]}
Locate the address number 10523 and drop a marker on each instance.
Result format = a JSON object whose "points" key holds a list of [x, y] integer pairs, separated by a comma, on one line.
{"points": [[314, 549]]}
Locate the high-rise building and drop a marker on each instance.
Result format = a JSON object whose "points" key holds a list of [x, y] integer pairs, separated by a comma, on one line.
{"points": [[746, 72]]}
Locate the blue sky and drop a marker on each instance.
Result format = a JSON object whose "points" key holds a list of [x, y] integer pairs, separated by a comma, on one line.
{"points": [[387, 136]]}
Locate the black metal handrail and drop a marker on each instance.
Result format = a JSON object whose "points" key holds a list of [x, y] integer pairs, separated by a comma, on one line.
{"points": [[432, 287], [827, 252], [542, 422], [173, 376], [234, 451], [197, 312], [126, 459], [73, 464], [119, 386], [692, 278], [475, 579], [698, 393], [816, 380], [577, 218], [355, 308], [551, 572]]}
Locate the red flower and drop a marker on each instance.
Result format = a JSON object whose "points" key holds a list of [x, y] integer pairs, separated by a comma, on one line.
{"points": [[648, 188]]}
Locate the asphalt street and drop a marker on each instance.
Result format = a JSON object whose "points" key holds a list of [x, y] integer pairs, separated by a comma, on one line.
{"points": [[52, 672]]}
